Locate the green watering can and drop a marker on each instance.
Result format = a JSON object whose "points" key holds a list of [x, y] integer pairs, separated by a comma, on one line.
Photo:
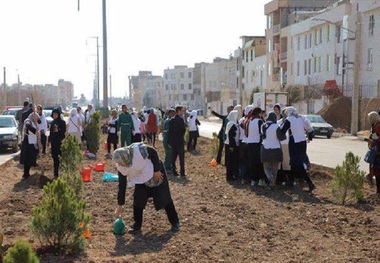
{"points": [[119, 226]]}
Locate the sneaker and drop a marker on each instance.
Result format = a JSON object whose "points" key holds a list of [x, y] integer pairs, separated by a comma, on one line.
{"points": [[262, 183], [175, 227], [134, 230], [174, 173]]}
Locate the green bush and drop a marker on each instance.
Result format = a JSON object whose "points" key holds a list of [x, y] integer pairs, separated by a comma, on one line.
{"points": [[75, 182], [348, 180], [92, 133], [57, 219], [21, 252], [71, 156]]}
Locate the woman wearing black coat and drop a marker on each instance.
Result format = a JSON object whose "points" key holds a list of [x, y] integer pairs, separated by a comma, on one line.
{"points": [[57, 134]]}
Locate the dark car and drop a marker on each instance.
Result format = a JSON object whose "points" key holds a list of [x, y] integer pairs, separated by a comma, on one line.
{"points": [[9, 134], [320, 126]]}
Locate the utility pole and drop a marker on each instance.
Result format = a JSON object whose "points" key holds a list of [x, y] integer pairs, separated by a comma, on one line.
{"points": [[105, 67], [356, 88], [111, 91], [19, 89], [97, 70], [5, 87]]}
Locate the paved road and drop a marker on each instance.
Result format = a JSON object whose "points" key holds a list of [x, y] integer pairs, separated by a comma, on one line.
{"points": [[6, 156], [322, 151]]}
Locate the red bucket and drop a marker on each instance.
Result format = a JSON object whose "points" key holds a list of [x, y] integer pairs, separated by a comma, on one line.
{"points": [[99, 167], [86, 173]]}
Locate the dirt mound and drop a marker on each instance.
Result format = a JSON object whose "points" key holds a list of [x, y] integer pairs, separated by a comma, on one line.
{"points": [[338, 113]]}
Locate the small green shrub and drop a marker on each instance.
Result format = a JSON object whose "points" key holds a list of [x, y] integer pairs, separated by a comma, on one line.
{"points": [[348, 180], [57, 219], [75, 182], [71, 157], [21, 252], [92, 133]]}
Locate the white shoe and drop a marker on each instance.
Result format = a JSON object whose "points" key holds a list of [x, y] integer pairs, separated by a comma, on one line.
{"points": [[262, 183]]}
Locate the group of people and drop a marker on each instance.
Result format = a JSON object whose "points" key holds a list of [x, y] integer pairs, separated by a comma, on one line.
{"points": [[265, 149]]}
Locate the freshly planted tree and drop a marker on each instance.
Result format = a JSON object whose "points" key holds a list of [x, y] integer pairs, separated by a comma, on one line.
{"points": [[60, 218], [92, 133], [21, 252], [71, 157], [348, 183]]}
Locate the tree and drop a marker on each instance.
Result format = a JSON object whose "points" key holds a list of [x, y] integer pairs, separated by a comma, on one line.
{"points": [[21, 252], [92, 133]]}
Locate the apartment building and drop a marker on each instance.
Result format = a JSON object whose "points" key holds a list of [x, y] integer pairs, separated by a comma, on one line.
{"points": [[153, 96], [281, 14], [178, 87], [138, 85]]}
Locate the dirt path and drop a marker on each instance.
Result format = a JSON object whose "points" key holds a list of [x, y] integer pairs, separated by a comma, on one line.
{"points": [[219, 222]]}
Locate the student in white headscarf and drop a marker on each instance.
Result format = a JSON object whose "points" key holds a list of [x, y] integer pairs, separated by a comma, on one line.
{"points": [[74, 125], [193, 131], [231, 146], [136, 134], [244, 169], [297, 126]]}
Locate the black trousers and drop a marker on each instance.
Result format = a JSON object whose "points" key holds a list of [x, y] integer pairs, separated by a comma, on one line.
{"points": [[170, 212], [299, 171], [55, 153], [256, 167], [220, 150], [193, 136], [153, 137], [26, 171], [178, 150], [112, 139], [232, 166], [43, 142]]}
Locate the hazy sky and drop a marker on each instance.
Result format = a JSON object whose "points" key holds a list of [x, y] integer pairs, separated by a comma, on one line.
{"points": [[45, 40]]}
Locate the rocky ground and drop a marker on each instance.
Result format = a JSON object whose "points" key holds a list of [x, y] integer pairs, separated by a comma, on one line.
{"points": [[219, 222]]}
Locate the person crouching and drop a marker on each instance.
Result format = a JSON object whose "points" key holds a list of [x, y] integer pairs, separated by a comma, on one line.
{"points": [[146, 172]]}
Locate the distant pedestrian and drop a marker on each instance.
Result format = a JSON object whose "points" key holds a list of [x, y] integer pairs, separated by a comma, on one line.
{"points": [[136, 135], [74, 125], [231, 146], [125, 126], [176, 135], [19, 117], [112, 138], [374, 140], [42, 128], [152, 126], [193, 131], [222, 132], [277, 111], [168, 151], [57, 134], [30, 144], [244, 168]]}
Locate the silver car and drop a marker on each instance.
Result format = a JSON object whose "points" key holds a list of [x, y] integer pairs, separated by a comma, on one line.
{"points": [[9, 134], [320, 126]]}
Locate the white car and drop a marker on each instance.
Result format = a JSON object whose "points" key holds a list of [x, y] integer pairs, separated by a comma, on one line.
{"points": [[9, 134]]}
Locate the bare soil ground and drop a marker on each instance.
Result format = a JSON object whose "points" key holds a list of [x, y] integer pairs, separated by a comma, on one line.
{"points": [[219, 222]]}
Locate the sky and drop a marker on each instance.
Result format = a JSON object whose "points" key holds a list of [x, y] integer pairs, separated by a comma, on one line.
{"points": [[47, 40]]}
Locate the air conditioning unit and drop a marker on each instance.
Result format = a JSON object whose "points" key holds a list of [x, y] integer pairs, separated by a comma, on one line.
{"points": [[369, 66]]}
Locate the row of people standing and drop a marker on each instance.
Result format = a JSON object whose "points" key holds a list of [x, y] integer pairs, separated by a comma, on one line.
{"points": [[253, 148]]}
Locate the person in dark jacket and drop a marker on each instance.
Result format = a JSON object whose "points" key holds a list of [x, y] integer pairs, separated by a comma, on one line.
{"points": [[176, 140], [146, 172], [19, 116], [29, 146], [112, 138], [24, 115], [221, 134], [231, 146], [57, 134]]}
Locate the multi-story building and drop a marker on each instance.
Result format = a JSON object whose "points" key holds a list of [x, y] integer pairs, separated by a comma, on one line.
{"points": [[219, 79], [65, 93], [251, 64], [138, 85], [281, 14], [199, 87], [153, 96], [178, 87]]}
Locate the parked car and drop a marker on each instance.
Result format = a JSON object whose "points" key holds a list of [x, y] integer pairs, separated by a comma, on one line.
{"points": [[320, 126], [11, 111], [9, 134]]}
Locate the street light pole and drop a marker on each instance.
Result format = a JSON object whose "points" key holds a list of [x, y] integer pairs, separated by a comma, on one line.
{"points": [[19, 89], [105, 67], [5, 87], [356, 87]]}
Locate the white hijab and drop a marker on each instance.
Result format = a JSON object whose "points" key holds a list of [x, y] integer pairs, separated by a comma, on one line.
{"points": [[232, 120]]}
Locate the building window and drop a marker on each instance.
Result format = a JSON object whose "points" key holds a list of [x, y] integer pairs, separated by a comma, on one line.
{"points": [[242, 54], [328, 63], [182, 86], [190, 86], [306, 41], [370, 56], [185, 97], [305, 67], [166, 76], [298, 68], [316, 40], [172, 87], [167, 86], [189, 74], [321, 35], [192, 97], [309, 69], [310, 39], [371, 25], [315, 64], [298, 43], [328, 33], [251, 54], [320, 64], [242, 72], [172, 76], [182, 75], [338, 33], [338, 65], [269, 46], [261, 77], [246, 56]]}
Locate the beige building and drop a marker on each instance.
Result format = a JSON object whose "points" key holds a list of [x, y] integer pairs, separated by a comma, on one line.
{"points": [[178, 87], [153, 96]]}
